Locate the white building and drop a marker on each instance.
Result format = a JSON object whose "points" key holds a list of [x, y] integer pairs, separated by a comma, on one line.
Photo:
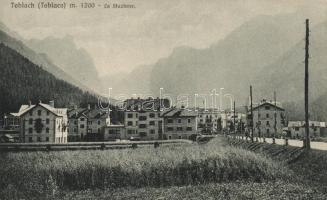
{"points": [[208, 120], [42, 123], [297, 128]]}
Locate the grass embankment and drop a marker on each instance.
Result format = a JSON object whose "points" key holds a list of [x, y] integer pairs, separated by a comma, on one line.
{"points": [[310, 165], [45, 174]]}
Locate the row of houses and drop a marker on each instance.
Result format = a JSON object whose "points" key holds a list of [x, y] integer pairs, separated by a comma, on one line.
{"points": [[148, 119]]}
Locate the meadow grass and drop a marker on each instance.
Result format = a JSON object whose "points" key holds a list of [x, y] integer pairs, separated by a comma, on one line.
{"points": [[45, 174]]}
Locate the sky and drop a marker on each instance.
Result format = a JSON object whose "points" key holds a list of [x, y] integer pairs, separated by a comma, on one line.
{"points": [[121, 39]]}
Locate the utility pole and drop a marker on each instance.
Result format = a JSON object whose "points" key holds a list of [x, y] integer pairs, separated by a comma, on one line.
{"points": [[251, 108], [306, 142], [234, 121], [275, 118]]}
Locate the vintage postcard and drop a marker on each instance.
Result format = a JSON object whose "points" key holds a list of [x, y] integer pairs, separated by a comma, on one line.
{"points": [[175, 99]]}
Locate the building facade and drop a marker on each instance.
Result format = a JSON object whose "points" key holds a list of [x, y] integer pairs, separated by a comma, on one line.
{"points": [[268, 119], [297, 129], [208, 120], [179, 123], [86, 124], [42, 123], [142, 118]]}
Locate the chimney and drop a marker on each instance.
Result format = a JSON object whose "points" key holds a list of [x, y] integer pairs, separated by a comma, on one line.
{"points": [[88, 106], [51, 103], [29, 103]]}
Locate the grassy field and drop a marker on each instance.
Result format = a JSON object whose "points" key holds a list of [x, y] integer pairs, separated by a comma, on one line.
{"points": [[50, 174]]}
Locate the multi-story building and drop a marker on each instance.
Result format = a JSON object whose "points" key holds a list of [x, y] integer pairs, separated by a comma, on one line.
{"points": [[297, 129], [142, 118], [265, 114], [179, 123], [209, 120], [114, 132], [42, 123], [87, 124]]}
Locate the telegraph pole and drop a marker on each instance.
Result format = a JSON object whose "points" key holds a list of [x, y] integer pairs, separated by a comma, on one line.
{"points": [[251, 107], [275, 118], [234, 121], [306, 142]]}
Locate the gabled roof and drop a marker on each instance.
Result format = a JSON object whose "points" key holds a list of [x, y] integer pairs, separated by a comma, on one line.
{"points": [[149, 104], [94, 113], [26, 108], [178, 112], [269, 104]]}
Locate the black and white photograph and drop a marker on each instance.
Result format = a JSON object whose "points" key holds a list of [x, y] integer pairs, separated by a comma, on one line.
{"points": [[163, 100]]}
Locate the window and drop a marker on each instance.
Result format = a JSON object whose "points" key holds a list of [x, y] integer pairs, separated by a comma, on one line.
{"points": [[297, 128], [267, 107], [98, 130], [267, 123], [30, 121], [189, 128], [170, 121], [48, 112], [89, 130], [30, 139], [142, 126], [179, 120], [130, 115], [89, 122], [99, 122], [142, 118], [75, 130], [39, 139], [170, 129], [143, 134], [75, 122], [39, 112], [47, 121], [82, 119], [259, 115], [179, 129], [152, 123], [31, 113], [81, 126], [130, 131], [188, 120], [268, 131], [267, 115], [129, 123], [152, 115], [47, 130], [179, 137], [47, 139], [152, 131], [30, 130]]}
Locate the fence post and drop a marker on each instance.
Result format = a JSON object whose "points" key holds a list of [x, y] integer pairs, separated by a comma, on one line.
{"points": [[156, 144], [103, 146], [286, 141]]}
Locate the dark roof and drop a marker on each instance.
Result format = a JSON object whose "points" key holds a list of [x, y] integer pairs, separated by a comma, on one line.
{"points": [[94, 113], [268, 103], [149, 104], [178, 112]]}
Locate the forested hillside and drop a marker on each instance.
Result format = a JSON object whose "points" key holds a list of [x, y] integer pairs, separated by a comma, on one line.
{"points": [[21, 80]]}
